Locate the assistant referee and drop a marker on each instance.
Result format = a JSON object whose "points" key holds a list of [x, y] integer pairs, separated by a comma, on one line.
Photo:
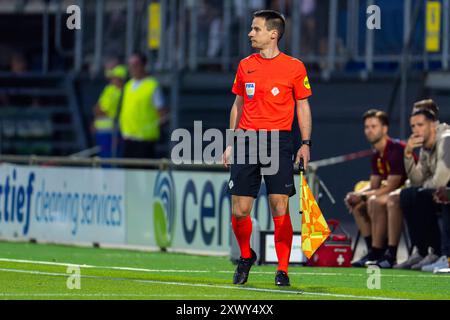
{"points": [[269, 87]]}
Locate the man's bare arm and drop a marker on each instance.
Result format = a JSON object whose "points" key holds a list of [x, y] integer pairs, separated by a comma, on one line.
{"points": [[304, 118], [393, 182], [235, 116], [236, 112], [375, 182], [305, 126]]}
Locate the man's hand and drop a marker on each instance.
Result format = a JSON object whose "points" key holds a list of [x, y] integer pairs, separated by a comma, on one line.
{"points": [[414, 141], [226, 156], [351, 200], [440, 195], [303, 153]]}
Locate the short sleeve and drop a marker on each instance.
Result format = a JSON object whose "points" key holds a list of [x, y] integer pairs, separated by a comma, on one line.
{"points": [[302, 87], [396, 162], [238, 84]]}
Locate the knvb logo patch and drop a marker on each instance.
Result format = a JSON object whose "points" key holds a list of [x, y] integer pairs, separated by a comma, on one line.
{"points": [[250, 89], [275, 91], [164, 209]]}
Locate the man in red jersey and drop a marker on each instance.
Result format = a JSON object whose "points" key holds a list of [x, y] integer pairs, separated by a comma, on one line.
{"points": [[269, 87], [377, 209]]}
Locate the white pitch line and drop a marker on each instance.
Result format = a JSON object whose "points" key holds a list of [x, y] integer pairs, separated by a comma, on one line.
{"points": [[105, 295], [289, 292], [66, 264]]}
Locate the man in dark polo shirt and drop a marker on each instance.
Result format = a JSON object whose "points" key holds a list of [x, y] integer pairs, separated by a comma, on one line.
{"points": [[372, 207]]}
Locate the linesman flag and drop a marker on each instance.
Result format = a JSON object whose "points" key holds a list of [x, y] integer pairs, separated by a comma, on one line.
{"points": [[315, 229]]}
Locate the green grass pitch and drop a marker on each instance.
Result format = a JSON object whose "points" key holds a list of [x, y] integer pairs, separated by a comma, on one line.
{"points": [[37, 271]]}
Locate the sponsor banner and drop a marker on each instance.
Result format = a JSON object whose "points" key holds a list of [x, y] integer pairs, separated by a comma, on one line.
{"points": [[62, 205], [188, 210], [178, 210]]}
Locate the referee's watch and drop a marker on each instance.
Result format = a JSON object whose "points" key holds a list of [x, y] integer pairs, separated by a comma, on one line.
{"points": [[307, 142]]}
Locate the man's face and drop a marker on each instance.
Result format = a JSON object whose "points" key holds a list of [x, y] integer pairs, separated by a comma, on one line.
{"points": [[117, 82], [374, 130], [135, 66], [421, 127], [259, 36]]}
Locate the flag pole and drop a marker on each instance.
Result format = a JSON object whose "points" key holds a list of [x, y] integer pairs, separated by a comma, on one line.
{"points": [[301, 168]]}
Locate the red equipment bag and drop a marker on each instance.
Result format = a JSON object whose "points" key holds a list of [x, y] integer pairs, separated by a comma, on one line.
{"points": [[336, 251]]}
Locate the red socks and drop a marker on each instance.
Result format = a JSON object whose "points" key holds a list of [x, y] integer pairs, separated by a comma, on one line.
{"points": [[243, 230], [283, 240]]}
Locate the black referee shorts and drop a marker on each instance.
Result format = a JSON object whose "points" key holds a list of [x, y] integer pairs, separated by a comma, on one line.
{"points": [[245, 178]]}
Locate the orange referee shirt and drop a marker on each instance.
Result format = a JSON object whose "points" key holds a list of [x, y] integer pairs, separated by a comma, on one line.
{"points": [[270, 88]]}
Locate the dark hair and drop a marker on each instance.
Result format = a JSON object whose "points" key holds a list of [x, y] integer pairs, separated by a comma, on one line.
{"points": [[141, 57], [380, 115], [427, 113], [427, 104], [274, 20]]}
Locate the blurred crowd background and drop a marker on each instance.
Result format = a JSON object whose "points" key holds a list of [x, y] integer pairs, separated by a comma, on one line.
{"points": [[51, 77]]}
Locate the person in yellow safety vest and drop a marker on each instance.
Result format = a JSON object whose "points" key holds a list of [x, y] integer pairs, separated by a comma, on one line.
{"points": [[106, 109], [142, 111]]}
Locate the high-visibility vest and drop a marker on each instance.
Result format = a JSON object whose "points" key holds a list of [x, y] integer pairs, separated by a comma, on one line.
{"points": [[109, 101], [139, 117]]}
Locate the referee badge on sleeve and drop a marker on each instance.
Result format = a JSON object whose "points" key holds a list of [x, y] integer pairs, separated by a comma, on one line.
{"points": [[306, 83], [250, 89]]}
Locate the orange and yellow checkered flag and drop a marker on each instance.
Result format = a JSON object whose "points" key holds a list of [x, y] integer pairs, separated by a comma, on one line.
{"points": [[314, 227]]}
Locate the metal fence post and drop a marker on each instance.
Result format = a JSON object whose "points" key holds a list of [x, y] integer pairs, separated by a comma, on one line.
{"points": [[98, 54], [78, 57], [193, 37], [296, 25], [182, 37], [332, 26], [406, 20], [445, 34], [369, 44], [226, 36], [45, 37], [245, 48], [282, 9], [130, 28], [171, 55]]}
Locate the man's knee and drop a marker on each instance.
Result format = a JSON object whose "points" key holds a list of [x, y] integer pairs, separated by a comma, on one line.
{"points": [[376, 204], [279, 209], [242, 208], [393, 199], [279, 205], [360, 210]]}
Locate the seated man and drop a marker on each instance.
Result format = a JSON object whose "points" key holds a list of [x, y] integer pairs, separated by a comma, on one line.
{"points": [[370, 206], [431, 172]]}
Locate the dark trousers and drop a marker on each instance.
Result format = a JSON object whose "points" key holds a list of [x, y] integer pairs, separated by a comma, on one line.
{"points": [[138, 149], [421, 214], [446, 230]]}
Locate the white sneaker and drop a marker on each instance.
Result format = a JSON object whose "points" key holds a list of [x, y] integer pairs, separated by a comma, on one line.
{"points": [[412, 260], [445, 270], [440, 263], [429, 259]]}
